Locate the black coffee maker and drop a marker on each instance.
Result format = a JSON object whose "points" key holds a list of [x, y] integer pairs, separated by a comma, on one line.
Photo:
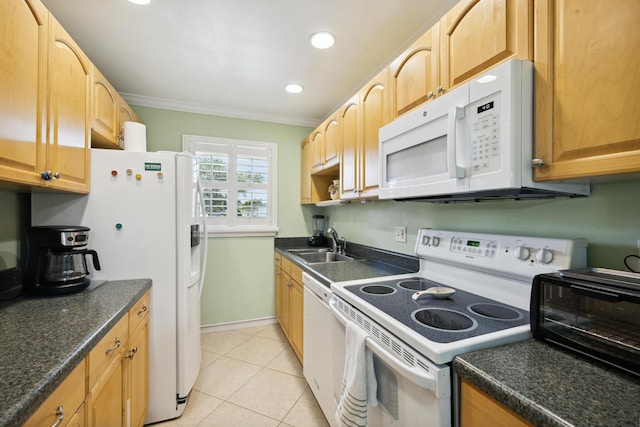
{"points": [[56, 261]]}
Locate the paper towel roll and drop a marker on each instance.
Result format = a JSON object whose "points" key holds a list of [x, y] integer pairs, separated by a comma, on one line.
{"points": [[135, 136]]}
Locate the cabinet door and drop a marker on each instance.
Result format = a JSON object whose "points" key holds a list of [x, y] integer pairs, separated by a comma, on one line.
{"points": [[105, 403], [479, 410], [331, 135], [349, 141], [69, 96], [137, 375], [479, 34], [415, 75], [283, 282], [297, 319], [305, 172], [587, 100], [23, 81], [317, 149], [373, 115], [104, 112]]}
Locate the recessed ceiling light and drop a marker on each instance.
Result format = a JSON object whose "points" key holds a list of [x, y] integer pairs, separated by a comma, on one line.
{"points": [[322, 40], [293, 88], [140, 1]]}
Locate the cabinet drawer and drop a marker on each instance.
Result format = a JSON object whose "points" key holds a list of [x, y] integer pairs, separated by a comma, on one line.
{"points": [[139, 312], [285, 263], [110, 347], [296, 274], [64, 400]]}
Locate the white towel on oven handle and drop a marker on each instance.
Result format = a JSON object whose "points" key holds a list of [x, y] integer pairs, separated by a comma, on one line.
{"points": [[359, 386]]}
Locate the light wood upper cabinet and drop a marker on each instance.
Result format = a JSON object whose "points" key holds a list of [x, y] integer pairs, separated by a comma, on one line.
{"points": [[374, 113], [476, 35], [587, 98], [350, 143], [24, 41], [105, 109], [331, 141], [324, 143], [109, 112], [68, 140], [305, 171], [415, 75]]}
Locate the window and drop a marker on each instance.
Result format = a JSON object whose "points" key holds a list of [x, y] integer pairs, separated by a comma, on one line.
{"points": [[238, 182]]}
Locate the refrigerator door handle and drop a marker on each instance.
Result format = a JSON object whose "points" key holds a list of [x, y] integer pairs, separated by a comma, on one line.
{"points": [[203, 254]]}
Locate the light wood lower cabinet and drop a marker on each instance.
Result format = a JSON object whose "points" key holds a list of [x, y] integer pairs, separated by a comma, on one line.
{"points": [[64, 402], [109, 388], [290, 302], [477, 409]]}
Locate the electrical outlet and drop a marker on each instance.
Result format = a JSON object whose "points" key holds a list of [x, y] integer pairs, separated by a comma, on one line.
{"points": [[401, 233]]}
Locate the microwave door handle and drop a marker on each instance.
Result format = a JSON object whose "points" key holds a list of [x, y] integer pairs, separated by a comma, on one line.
{"points": [[455, 114]]}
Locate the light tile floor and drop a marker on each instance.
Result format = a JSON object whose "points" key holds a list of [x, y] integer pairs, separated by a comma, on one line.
{"points": [[250, 378]]}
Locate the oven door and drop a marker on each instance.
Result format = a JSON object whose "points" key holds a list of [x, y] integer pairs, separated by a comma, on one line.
{"points": [[409, 394], [426, 152]]}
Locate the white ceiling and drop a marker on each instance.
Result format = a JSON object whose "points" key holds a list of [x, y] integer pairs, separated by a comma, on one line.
{"points": [[234, 57]]}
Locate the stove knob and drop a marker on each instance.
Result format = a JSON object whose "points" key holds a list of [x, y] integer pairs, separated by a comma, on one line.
{"points": [[545, 256], [425, 240], [522, 252], [435, 241]]}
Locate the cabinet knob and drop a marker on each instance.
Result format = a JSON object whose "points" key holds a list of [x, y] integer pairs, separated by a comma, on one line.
{"points": [[537, 163], [440, 90], [431, 95], [47, 175]]}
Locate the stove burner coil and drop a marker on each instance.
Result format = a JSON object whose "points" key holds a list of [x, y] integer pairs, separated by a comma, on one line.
{"points": [[443, 319], [377, 289], [495, 311]]}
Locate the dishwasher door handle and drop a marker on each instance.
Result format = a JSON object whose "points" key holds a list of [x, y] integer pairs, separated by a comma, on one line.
{"points": [[412, 373]]}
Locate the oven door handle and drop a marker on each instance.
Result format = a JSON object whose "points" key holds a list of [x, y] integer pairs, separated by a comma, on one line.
{"points": [[413, 374]]}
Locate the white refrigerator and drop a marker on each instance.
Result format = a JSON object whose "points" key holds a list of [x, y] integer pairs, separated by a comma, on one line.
{"points": [[145, 221]]}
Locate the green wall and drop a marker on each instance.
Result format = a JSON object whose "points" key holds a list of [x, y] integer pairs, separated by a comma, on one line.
{"points": [[609, 219], [239, 278]]}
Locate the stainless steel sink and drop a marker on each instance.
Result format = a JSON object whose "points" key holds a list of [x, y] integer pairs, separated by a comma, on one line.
{"points": [[321, 257], [308, 250]]}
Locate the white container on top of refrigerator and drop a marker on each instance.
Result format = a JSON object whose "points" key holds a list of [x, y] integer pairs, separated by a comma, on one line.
{"points": [[143, 213]]}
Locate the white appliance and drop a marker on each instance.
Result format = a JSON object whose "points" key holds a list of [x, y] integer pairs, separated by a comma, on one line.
{"points": [[473, 143], [145, 223], [317, 347], [414, 335]]}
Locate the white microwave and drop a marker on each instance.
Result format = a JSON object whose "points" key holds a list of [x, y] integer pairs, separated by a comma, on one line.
{"points": [[473, 143]]}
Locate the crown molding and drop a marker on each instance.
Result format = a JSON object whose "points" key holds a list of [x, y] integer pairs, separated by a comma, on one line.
{"points": [[212, 110]]}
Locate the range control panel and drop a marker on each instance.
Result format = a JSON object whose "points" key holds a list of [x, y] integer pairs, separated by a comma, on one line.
{"points": [[509, 255]]}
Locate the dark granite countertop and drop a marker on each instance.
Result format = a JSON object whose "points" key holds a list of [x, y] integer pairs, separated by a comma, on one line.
{"points": [[43, 339], [549, 386], [373, 262]]}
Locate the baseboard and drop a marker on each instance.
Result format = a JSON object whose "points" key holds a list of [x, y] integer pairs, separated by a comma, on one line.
{"points": [[241, 324]]}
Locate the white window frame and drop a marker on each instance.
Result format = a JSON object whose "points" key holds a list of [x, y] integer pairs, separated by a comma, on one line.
{"points": [[232, 225]]}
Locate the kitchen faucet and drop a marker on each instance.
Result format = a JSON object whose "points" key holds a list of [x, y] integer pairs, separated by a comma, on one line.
{"points": [[339, 243]]}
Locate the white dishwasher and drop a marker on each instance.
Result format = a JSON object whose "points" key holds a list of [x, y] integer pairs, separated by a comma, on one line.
{"points": [[317, 348]]}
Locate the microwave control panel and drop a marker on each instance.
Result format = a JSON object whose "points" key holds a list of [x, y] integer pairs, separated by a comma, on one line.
{"points": [[485, 135]]}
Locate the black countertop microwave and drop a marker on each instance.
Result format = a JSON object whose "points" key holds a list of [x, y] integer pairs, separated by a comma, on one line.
{"points": [[591, 311]]}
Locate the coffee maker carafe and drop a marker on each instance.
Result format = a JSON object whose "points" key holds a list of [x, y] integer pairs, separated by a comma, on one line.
{"points": [[56, 260], [318, 238]]}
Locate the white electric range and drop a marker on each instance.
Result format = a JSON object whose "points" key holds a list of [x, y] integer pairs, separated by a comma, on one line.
{"points": [[472, 292]]}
